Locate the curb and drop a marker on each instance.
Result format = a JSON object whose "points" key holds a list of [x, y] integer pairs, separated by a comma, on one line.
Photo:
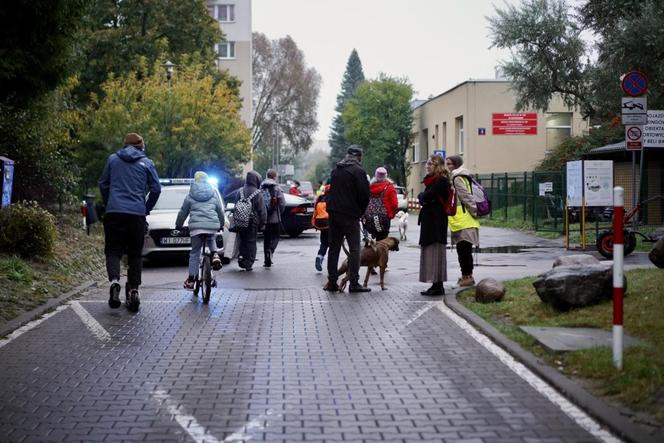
{"points": [[603, 412], [26, 317]]}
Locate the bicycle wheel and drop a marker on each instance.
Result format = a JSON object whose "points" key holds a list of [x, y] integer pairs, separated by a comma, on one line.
{"points": [[207, 278]]}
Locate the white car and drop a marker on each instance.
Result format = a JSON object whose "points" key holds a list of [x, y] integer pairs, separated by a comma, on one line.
{"points": [[161, 238], [402, 199]]}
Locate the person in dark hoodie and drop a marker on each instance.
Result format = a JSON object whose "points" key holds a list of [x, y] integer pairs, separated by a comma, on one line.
{"points": [[348, 199], [275, 203], [123, 183], [248, 235], [206, 217]]}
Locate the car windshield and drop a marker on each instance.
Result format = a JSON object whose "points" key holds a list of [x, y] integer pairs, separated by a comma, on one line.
{"points": [[171, 198], [306, 187]]}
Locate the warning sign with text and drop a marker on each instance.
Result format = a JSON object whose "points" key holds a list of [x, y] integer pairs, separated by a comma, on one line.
{"points": [[653, 132], [514, 123]]}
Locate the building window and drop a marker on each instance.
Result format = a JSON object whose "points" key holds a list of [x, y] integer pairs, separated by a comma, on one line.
{"points": [[458, 123], [424, 145], [226, 13], [436, 140], [443, 142], [558, 128], [414, 156], [226, 50]]}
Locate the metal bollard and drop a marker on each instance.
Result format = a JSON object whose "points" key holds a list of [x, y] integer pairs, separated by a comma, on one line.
{"points": [[618, 264]]}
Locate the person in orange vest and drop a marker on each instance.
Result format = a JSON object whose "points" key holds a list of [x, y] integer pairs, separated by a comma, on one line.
{"points": [[320, 221]]}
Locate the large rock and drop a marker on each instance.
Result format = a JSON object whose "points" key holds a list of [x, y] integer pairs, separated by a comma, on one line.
{"points": [[656, 254], [576, 259], [489, 290], [566, 287]]}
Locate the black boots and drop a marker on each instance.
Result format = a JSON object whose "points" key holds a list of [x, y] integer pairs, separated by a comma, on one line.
{"points": [[435, 289], [356, 287]]}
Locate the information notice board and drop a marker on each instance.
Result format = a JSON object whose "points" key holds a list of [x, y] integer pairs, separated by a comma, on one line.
{"points": [[575, 184], [598, 182]]}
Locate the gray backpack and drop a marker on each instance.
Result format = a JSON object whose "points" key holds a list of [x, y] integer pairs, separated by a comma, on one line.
{"points": [[243, 209]]}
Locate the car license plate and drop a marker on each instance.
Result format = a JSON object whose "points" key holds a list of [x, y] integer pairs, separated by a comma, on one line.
{"points": [[310, 210], [176, 241]]}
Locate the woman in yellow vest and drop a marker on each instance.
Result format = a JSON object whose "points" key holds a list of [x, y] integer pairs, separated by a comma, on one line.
{"points": [[464, 226]]}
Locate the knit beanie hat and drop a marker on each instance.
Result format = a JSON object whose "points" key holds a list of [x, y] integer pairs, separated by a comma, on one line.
{"points": [[381, 173], [200, 176], [133, 139]]}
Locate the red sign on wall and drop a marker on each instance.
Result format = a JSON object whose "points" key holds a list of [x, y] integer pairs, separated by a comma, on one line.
{"points": [[514, 123]]}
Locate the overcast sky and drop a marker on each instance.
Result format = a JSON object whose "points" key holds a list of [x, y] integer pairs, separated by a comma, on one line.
{"points": [[436, 44]]}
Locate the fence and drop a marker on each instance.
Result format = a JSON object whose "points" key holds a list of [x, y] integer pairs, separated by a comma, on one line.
{"points": [[533, 198], [537, 200]]}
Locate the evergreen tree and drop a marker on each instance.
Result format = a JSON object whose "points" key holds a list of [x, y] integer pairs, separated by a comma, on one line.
{"points": [[352, 78]]}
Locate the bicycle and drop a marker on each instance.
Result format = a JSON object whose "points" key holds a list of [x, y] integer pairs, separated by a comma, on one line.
{"points": [[604, 242], [204, 281]]}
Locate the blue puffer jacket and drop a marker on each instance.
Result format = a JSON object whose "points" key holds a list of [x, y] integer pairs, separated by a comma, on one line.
{"points": [[127, 175], [203, 208]]}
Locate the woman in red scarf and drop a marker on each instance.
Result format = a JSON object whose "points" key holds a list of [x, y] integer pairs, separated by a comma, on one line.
{"points": [[433, 222]]}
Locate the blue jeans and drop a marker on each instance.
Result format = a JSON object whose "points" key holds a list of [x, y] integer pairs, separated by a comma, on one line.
{"points": [[194, 255]]}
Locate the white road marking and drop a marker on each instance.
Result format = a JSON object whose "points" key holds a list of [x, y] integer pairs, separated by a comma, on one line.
{"points": [[89, 321], [419, 313], [25, 328], [187, 422], [242, 434], [571, 410]]}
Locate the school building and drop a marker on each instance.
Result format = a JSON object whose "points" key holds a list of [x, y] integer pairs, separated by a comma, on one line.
{"points": [[477, 120]]}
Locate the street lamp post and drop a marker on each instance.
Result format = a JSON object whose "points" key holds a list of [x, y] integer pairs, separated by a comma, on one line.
{"points": [[169, 66]]}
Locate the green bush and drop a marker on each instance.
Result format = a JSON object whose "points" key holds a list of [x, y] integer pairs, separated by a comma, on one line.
{"points": [[27, 229]]}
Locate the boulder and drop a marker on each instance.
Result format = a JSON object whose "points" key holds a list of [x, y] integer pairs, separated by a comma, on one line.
{"points": [[489, 290], [575, 286], [576, 259], [656, 254]]}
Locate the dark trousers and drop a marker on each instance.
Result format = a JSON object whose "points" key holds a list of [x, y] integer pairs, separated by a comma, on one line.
{"points": [[340, 228], [271, 237], [247, 248], [124, 234], [324, 242], [465, 253]]}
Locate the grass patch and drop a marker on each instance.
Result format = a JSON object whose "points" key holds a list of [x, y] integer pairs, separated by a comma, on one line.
{"points": [[640, 385], [26, 284]]}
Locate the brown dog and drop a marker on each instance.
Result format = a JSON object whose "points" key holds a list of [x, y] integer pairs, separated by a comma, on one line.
{"points": [[372, 256]]}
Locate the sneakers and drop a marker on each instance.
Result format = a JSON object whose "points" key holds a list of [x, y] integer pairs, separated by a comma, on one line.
{"points": [[356, 287], [331, 286], [435, 290], [114, 295], [216, 262], [466, 280], [319, 263], [189, 284]]}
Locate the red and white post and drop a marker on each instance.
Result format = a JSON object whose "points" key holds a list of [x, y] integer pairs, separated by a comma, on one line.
{"points": [[618, 262]]}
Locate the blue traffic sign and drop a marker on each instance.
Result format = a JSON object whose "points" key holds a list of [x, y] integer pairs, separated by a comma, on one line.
{"points": [[634, 83]]}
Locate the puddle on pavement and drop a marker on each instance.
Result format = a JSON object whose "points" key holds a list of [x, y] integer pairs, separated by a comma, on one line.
{"points": [[511, 249]]}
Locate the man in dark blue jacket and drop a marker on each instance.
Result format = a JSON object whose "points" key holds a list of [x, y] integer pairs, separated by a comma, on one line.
{"points": [[123, 184]]}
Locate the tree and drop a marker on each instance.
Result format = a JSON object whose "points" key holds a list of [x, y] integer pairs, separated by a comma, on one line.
{"points": [[36, 43], [379, 119], [353, 76], [285, 96], [190, 123], [120, 33], [549, 56]]}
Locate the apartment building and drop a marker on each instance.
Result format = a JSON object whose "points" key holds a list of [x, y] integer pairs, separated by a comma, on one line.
{"points": [[234, 53], [477, 120]]}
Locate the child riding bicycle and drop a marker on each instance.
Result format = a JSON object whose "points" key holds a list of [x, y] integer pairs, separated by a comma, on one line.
{"points": [[206, 218]]}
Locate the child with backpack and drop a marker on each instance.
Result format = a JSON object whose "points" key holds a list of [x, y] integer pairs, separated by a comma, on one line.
{"points": [[206, 216], [321, 222], [383, 205], [249, 216], [464, 224], [275, 203]]}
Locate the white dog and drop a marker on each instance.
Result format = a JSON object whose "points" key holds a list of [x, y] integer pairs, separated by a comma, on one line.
{"points": [[403, 224]]}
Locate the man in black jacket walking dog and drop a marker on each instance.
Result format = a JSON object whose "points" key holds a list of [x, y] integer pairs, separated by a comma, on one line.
{"points": [[348, 199]]}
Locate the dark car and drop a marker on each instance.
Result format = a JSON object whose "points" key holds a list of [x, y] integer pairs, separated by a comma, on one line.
{"points": [[295, 218]]}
